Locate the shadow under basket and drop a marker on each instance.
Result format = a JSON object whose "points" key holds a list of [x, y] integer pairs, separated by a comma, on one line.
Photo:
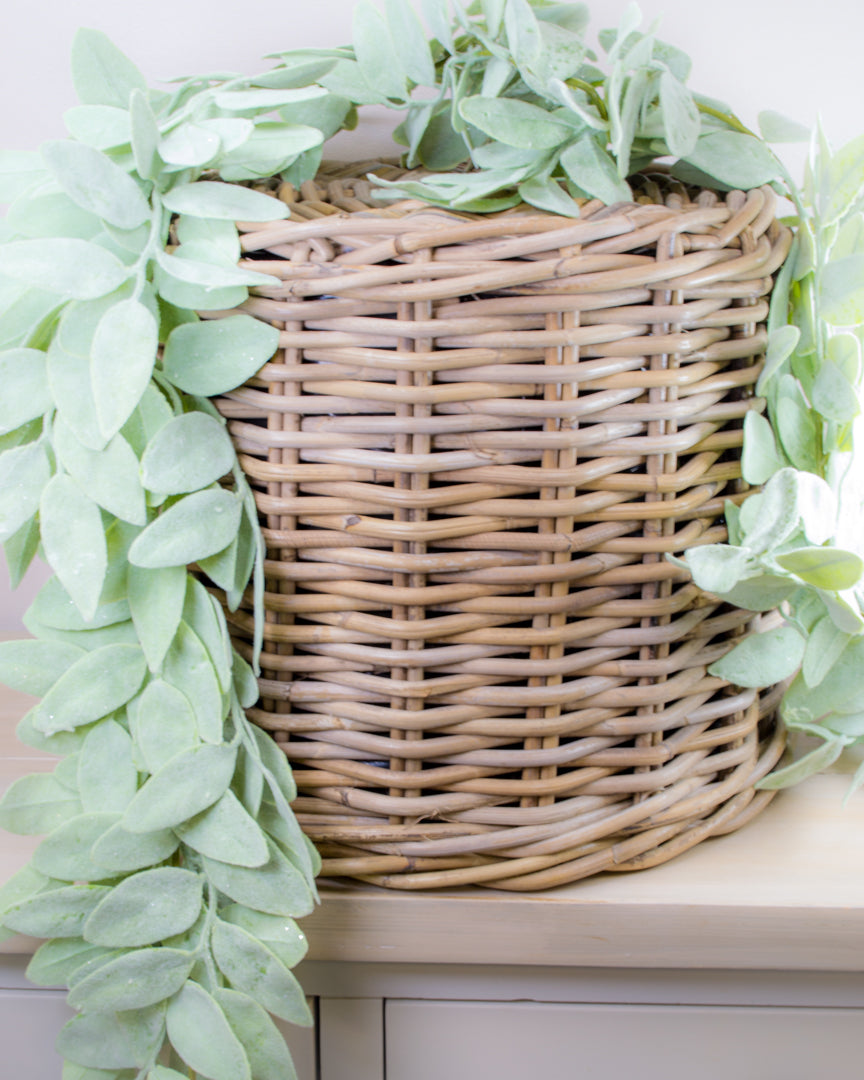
{"points": [[477, 443]]}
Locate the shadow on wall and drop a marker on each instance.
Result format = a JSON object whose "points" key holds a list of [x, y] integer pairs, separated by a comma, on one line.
{"points": [[13, 603]]}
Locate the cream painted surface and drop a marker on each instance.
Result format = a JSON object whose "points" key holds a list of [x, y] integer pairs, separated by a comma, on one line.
{"points": [[786, 892], [465, 1040]]}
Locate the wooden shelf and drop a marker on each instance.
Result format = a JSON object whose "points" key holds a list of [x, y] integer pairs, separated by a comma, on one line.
{"points": [[784, 893]]}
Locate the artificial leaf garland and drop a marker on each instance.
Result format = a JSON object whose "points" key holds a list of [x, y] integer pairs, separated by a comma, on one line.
{"points": [[114, 462]]}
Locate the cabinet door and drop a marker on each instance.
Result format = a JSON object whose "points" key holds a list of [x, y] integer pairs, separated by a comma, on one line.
{"points": [[30, 1020], [467, 1040]]}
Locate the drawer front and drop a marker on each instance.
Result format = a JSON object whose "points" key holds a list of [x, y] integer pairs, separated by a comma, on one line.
{"points": [[466, 1040]]}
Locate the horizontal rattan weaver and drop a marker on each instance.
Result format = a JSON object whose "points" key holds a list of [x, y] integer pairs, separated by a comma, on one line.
{"points": [[476, 445]]}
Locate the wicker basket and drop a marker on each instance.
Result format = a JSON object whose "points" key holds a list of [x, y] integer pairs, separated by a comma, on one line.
{"points": [[479, 440]]}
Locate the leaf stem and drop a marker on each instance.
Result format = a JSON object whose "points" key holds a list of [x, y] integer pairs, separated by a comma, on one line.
{"points": [[591, 91]]}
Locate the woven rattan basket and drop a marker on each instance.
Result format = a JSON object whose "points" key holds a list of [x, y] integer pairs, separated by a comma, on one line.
{"points": [[476, 445]]}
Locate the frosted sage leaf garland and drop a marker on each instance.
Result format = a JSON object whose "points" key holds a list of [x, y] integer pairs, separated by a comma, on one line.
{"points": [[797, 544], [172, 868]]}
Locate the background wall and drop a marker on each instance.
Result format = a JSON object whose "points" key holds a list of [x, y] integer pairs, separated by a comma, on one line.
{"points": [[798, 58]]}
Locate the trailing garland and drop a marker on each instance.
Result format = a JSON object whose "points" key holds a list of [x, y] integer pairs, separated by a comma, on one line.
{"points": [[173, 866]]}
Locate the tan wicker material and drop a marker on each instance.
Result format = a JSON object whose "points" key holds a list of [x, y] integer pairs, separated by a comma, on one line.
{"points": [[478, 441]]}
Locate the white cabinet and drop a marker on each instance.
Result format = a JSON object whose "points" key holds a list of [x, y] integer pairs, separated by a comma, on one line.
{"points": [[467, 1040], [30, 1019]]}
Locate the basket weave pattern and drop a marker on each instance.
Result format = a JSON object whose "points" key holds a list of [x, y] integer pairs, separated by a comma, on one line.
{"points": [[476, 445]]}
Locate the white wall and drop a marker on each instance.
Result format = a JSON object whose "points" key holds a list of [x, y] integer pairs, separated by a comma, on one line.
{"points": [[794, 57]]}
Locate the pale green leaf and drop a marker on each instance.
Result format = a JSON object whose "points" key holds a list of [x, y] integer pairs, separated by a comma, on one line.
{"points": [[150, 414], [762, 659], [20, 171], [264, 1044], [69, 379], [845, 185], [717, 568], [146, 908], [118, 850], [253, 969], [741, 161], [212, 231], [378, 54], [24, 473], [282, 827], [207, 275], [24, 378], [22, 885], [97, 684], [101, 73], [225, 831], [515, 123], [107, 777], [34, 666], [842, 290], [104, 127], [113, 1040], [203, 1038], [781, 345], [55, 961], [407, 35], [217, 355], [162, 722], [824, 645], [183, 296], [133, 981], [190, 145], [190, 782], [346, 79], [20, 550], [53, 607], [211, 199], [96, 184], [277, 887], [777, 128], [760, 458], [257, 101], [73, 540], [188, 667], [681, 122], [203, 614], [193, 528], [808, 765], [124, 351], [37, 804], [156, 604], [547, 194], [109, 476], [190, 452], [144, 134], [57, 913], [777, 513], [42, 214], [593, 171], [761, 593], [281, 935], [271, 147], [823, 567], [75, 269], [65, 853]]}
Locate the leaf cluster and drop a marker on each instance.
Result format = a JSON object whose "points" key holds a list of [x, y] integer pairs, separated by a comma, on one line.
{"points": [[172, 867], [509, 90], [797, 543]]}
